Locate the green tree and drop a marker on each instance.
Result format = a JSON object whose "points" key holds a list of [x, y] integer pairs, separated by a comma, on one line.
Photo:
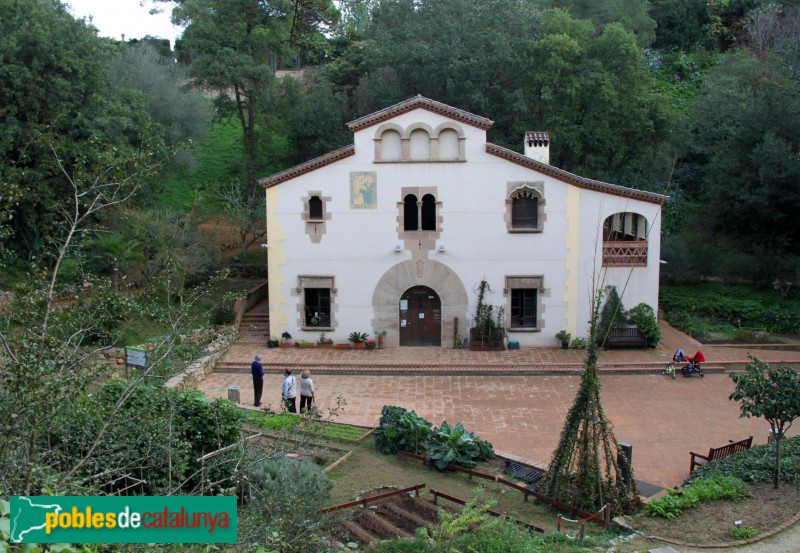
{"points": [[237, 44], [770, 393], [632, 14], [316, 125], [596, 97], [182, 112], [744, 158], [464, 53], [55, 82], [113, 254], [681, 24]]}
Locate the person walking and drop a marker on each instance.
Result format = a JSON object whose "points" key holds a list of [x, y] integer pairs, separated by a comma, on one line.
{"points": [[289, 392], [258, 380], [306, 391]]}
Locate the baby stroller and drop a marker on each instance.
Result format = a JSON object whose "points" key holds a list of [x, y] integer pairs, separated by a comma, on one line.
{"points": [[692, 366]]}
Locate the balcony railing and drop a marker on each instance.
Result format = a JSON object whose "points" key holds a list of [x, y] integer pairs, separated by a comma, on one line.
{"points": [[625, 254]]}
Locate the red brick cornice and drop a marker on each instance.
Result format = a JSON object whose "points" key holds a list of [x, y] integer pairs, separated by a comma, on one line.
{"points": [[568, 177], [308, 166]]}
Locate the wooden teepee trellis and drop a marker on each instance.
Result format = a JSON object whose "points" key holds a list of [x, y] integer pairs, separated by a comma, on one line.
{"points": [[584, 471]]}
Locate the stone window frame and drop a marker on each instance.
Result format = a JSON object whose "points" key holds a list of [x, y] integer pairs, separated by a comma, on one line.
{"points": [[315, 228], [419, 239], [515, 188], [405, 142], [315, 281], [517, 282]]}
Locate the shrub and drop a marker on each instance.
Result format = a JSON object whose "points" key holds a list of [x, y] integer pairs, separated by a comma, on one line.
{"points": [[222, 315], [702, 489], [282, 498], [579, 343], [613, 313], [644, 318], [157, 434]]}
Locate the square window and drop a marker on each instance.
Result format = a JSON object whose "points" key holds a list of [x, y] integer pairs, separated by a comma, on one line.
{"points": [[523, 307], [318, 307]]}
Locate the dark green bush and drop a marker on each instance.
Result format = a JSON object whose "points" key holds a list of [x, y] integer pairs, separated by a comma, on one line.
{"points": [[222, 315], [172, 429], [712, 488], [612, 314], [644, 318], [282, 498], [689, 308], [757, 464]]}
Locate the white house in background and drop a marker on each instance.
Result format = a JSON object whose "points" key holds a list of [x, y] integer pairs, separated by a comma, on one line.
{"points": [[396, 231]]}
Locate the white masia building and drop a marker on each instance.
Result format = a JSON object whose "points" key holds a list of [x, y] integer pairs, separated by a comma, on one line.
{"points": [[396, 232]]}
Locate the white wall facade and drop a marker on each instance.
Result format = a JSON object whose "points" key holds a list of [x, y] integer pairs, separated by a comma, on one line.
{"points": [[356, 246]]}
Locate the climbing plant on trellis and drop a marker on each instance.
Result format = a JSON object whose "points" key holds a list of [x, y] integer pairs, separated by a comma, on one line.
{"points": [[584, 471]]}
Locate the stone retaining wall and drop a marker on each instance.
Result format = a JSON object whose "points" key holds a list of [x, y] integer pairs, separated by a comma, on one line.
{"points": [[198, 369]]}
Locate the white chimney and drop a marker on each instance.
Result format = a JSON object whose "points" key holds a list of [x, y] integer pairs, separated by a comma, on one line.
{"points": [[537, 146]]}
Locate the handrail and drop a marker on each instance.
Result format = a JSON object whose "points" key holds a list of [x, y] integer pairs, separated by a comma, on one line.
{"points": [[574, 511], [363, 502], [243, 305], [454, 499]]}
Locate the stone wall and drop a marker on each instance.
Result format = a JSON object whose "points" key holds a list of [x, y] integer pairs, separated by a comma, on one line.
{"points": [[198, 369], [218, 341]]}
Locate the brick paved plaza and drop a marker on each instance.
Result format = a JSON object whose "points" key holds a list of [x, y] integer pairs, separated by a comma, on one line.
{"points": [[664, 419], [523, 413]]}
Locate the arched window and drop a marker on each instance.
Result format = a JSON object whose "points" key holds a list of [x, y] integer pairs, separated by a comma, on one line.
{"points": [[315, 208], [410, 213], [625, 240], [525, 210], [428, 212]]}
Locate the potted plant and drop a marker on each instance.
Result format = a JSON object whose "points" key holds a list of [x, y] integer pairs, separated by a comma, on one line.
{"points": [[358, 339], [380, 335], [286, 340], [564, 337], [324, 342], [370, 344]]}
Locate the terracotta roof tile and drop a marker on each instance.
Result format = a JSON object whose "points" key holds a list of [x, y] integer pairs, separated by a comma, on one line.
{"points": [[568, 177], [308, 166], [423, 103]]}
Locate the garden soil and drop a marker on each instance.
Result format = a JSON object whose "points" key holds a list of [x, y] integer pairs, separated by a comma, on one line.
{"points": [[711, 523]]}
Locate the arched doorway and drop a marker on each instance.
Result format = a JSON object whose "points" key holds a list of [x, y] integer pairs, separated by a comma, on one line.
{"points": [[420, 317]]}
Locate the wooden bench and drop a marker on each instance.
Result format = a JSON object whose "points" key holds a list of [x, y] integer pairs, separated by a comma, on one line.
{"points": [[625, 336], [715, 454]]}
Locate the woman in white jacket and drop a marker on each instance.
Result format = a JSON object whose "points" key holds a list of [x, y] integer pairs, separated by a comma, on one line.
{"points": [[306, 391]]}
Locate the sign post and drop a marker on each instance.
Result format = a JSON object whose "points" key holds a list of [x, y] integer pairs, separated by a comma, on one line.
{"points": [[135, 357]]}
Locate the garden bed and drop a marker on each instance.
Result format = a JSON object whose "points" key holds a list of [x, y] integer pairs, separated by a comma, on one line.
{"points": [[712, 522], [324, 429]]}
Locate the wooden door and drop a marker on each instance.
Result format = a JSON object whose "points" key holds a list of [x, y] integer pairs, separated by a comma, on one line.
{"points": [[420, 317]]}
